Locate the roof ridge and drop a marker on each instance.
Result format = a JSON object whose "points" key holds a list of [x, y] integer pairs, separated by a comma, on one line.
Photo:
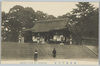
{"points": [[51, 20]]}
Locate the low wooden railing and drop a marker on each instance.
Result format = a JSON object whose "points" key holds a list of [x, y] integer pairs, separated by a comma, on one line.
{"points": [[90, 41]]}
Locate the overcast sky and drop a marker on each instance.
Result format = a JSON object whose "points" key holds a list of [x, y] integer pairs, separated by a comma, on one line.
{"points": [[51, 8]]}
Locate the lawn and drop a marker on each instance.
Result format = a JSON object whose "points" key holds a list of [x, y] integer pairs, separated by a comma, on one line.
{"points": [[12, 50]]}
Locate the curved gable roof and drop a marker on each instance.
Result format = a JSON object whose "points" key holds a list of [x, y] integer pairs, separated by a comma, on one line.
{"points": [[48, 25]]}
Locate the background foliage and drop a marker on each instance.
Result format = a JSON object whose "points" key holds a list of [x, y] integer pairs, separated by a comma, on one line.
{"points": [[83, 21]]}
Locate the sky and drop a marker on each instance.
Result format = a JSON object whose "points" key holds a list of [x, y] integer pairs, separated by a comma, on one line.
{"points": [[51, 8]]}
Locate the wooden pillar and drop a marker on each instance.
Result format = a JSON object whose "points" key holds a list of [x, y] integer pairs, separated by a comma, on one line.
{"points": [[70, 39], [22, 39]]}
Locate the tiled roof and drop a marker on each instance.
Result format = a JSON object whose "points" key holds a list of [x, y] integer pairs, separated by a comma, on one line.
{"points": [[48, 25]]}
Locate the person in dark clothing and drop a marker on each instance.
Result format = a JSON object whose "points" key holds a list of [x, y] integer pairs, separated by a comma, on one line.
{"points": [[54, 53], [35, 55]]}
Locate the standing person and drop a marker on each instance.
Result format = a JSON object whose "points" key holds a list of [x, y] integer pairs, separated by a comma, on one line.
{"points": [[54, 53], [35, 55]]}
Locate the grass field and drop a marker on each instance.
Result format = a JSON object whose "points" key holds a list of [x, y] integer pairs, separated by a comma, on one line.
{"points": [[24, 51]]}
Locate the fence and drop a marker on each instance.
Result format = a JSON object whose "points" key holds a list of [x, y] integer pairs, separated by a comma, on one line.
{"points": [[90, 41]]}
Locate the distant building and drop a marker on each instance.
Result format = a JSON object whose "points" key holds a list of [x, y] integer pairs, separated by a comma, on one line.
{"points": [[53, 31]]}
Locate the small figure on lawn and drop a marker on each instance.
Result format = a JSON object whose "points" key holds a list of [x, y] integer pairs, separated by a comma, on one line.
{"points": [[35, 55], [54, 53]]}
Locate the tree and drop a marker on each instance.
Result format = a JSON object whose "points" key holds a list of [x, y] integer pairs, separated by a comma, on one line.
{"points": [[85, 12], [86, 18], [42, 16], [67, 15], [4, 26], [18, 18], [83, 20], [24, 15]]}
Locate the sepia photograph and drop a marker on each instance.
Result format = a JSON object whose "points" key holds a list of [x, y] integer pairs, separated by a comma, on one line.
{"points": [[50, 33]]}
